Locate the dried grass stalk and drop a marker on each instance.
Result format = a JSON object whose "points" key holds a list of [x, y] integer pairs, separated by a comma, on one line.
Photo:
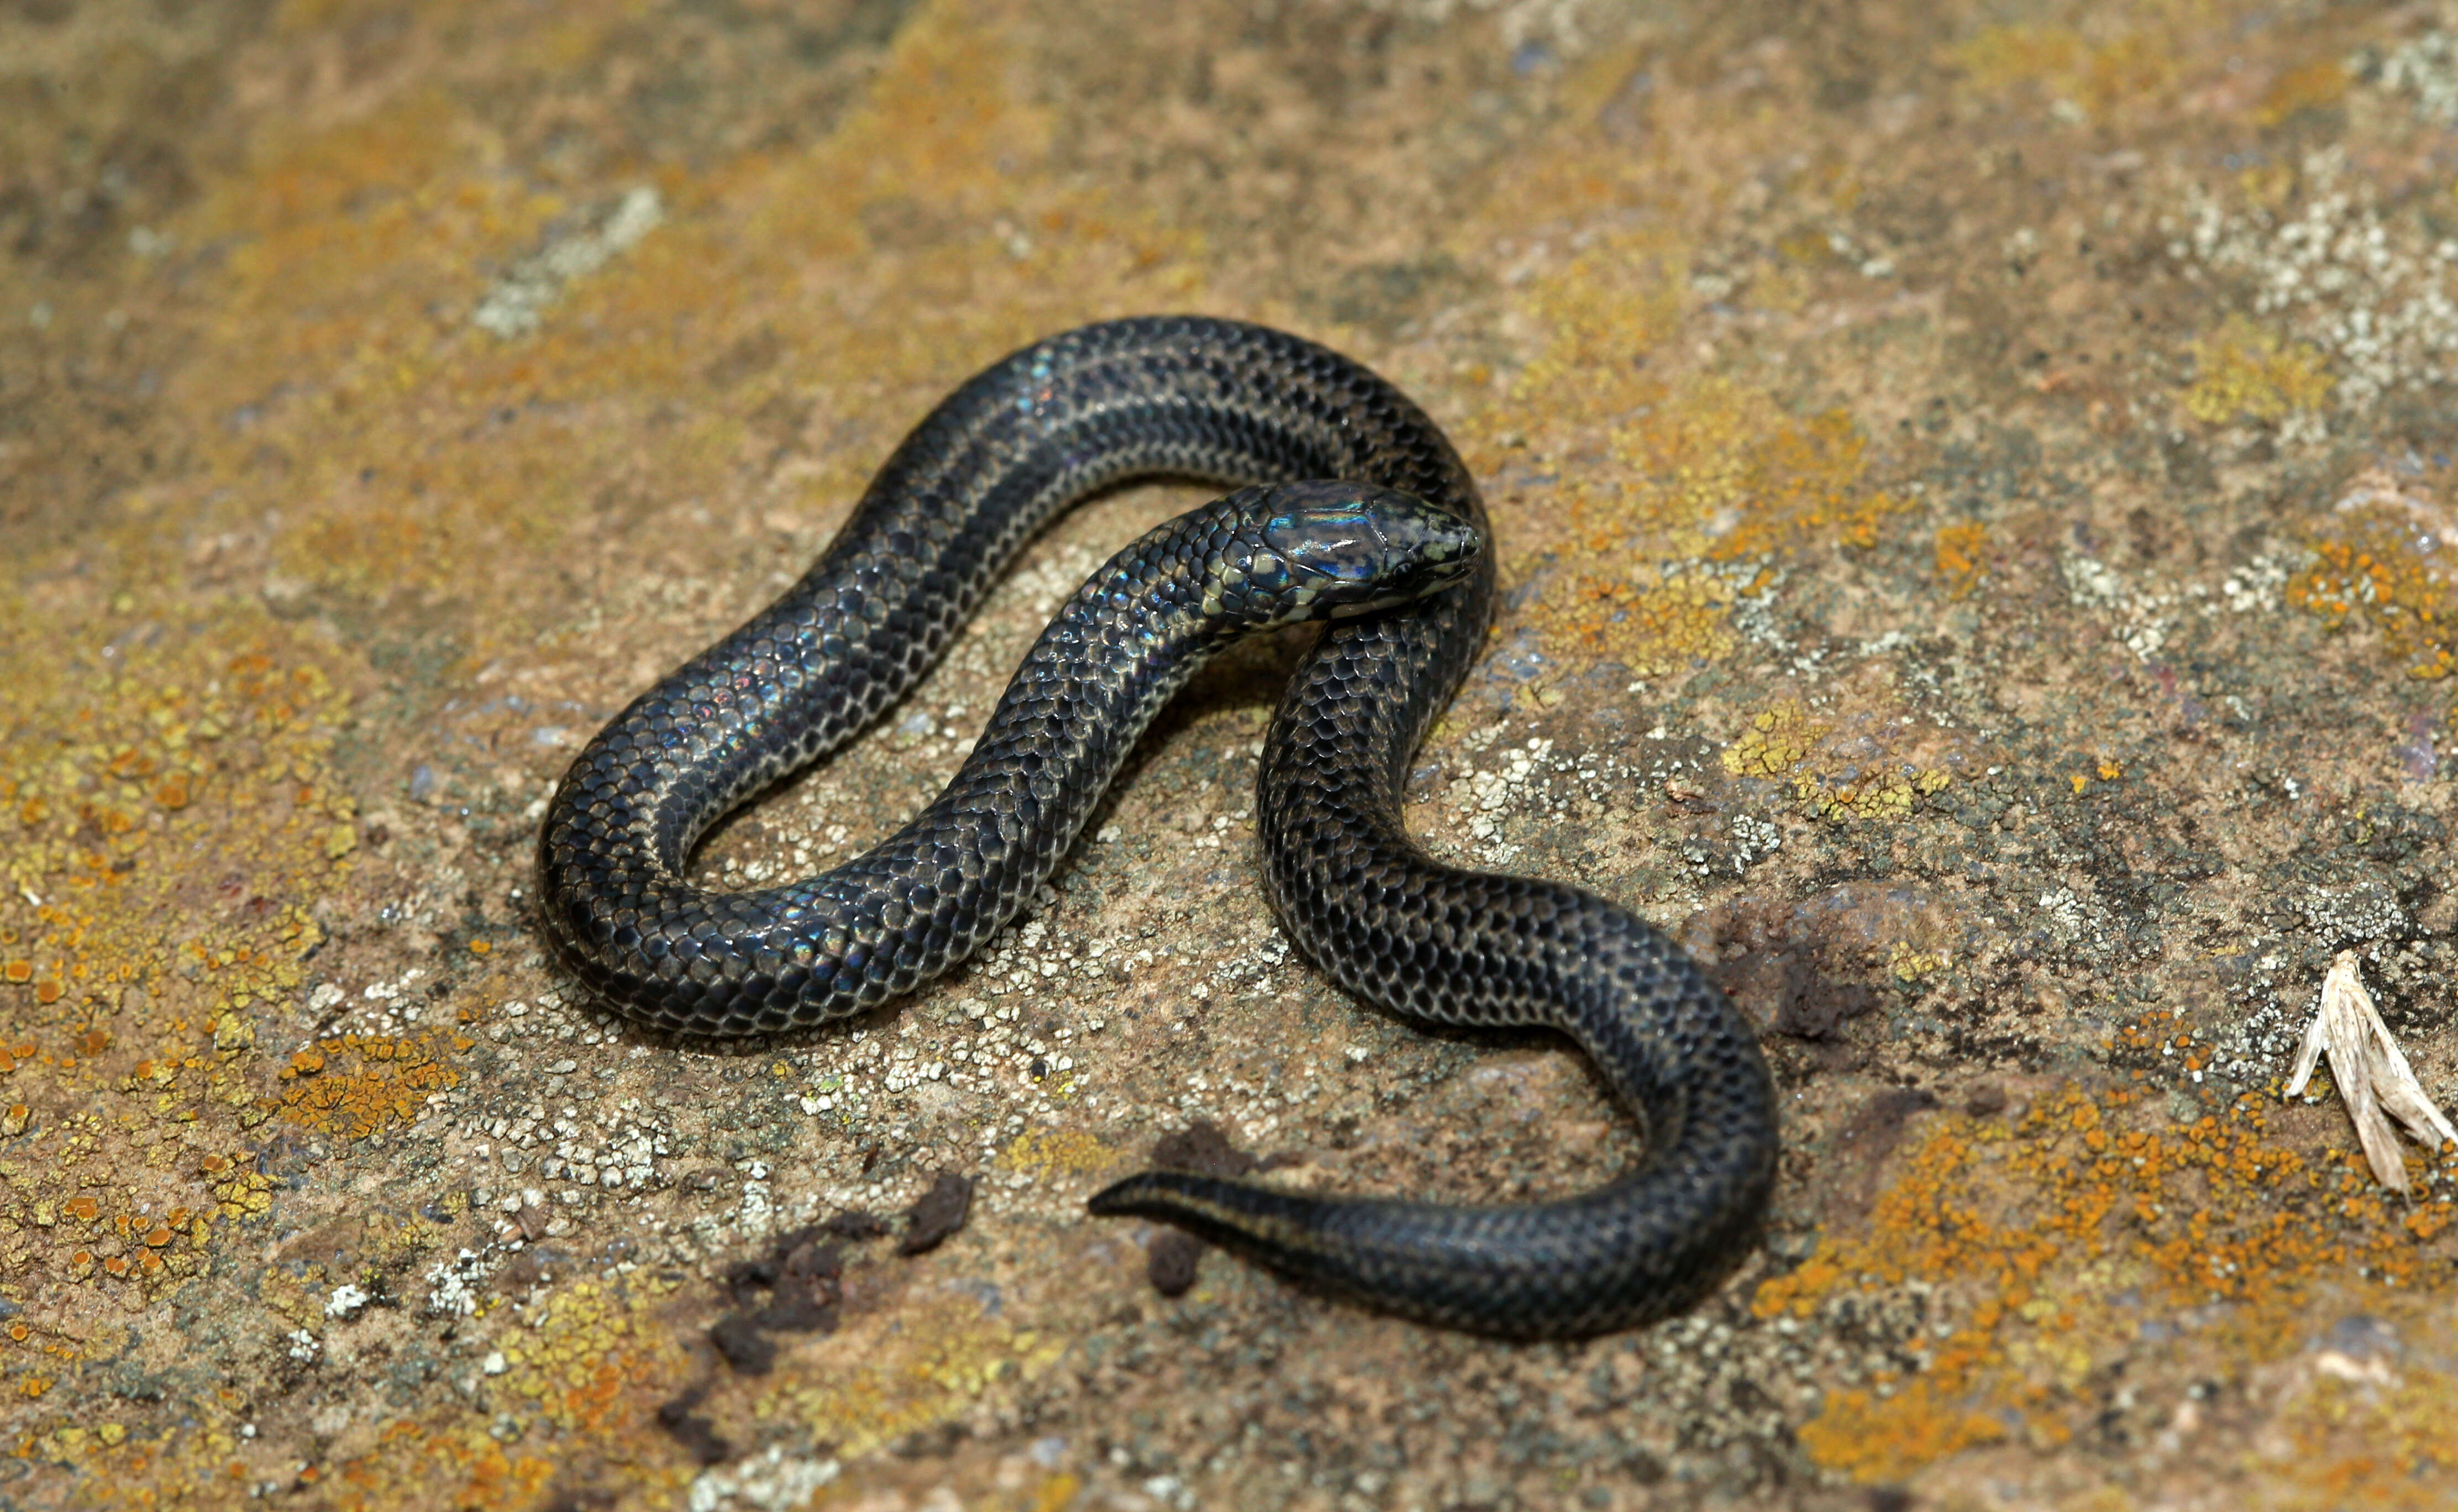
{"points": [[2374, 1079]]}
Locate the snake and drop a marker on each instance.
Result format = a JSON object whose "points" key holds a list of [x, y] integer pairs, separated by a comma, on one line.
{"points": [[1351, 507]]}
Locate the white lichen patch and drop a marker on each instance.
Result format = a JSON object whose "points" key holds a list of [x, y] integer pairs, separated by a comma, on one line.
{"points": [[514, 306], [2139, 616], [1566, 27], [2370, 288], [452, 1286], [2144, 614], [619, 1147], [549, 1120], [1484, 798], [2252, 589], [2363, 910], [2063, 912], [385, 1006], [772, 1482], [2424, 68], [1753, 840]]}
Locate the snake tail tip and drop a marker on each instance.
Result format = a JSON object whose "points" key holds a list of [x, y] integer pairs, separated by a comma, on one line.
{"points": [[1133, 1197]]}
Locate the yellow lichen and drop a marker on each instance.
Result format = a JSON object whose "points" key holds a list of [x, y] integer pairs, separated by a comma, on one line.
{"points": [[167, 832], [1909, 965], [1711, 468], [1884, 794], [580, 1360], [173, 802], [944, 1354], [1781, 740], [1777, 739], [1602, 312], [2246, 372], [1652, 622], [1718, 479], [2310, 86], [1045, 1153], [2095, 72]]}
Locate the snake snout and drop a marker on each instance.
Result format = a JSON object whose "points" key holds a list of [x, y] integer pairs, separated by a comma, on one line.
{"points": [[1426, 540]]}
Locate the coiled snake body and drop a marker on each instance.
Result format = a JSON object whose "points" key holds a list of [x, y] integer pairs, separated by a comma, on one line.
{"points": [[943, 518]]}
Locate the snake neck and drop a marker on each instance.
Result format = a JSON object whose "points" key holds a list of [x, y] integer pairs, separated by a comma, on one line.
{"points": [[1093, 683]]}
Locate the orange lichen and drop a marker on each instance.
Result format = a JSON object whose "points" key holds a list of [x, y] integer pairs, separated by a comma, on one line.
{"points": [[2376, 1443], [389, 1085], [1962, 557], [579, 1361], [2053, 1237], [2374, 569], [1874, 1438]]}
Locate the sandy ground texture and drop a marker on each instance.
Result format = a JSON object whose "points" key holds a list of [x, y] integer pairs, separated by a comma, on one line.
{"points": [[1975, 490]]}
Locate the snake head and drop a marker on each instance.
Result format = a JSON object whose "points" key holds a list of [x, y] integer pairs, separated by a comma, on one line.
{"points": [[1330, 550]]}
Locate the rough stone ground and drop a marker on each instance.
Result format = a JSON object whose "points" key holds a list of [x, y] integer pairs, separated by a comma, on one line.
{"points": [[1976, 489]]}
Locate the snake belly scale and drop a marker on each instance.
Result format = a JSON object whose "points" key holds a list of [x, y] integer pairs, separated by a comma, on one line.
{"points": [[1381, 538]]}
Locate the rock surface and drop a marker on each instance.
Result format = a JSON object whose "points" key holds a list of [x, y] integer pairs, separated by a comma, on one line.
{"points": [[1976, 493]]}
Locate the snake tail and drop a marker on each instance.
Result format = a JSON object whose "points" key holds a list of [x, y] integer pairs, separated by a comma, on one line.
{"points": [[1642, 1246]]}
